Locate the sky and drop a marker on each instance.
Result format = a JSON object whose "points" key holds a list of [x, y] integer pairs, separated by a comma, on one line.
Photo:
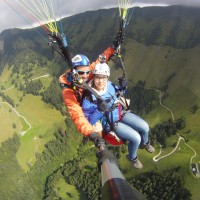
{"points": [[9, 18]]}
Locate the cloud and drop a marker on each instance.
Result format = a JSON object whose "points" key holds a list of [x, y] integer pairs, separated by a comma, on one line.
{"points": [[172, 2], [12, 19]]}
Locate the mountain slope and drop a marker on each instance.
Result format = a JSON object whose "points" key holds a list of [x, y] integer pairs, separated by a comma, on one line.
{"points": [[89, 33]]}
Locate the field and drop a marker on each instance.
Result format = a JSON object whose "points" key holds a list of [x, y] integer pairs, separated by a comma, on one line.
{"points": [[66, 191], [7, 120], [177, 104], [180, 105], [34, 120], [44, 121]]}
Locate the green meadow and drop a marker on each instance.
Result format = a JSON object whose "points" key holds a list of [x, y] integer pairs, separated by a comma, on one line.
{"points": [[44, 121], [67, 191], [42, 117], [7, 119]]}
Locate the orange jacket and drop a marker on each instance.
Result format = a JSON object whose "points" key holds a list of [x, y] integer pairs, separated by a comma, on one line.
{"points": [[71, 102]]}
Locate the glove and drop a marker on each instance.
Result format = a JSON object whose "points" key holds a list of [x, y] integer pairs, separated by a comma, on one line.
{"points": [[105, 154], [123, 82], [102, 105], [119, 39], [98, 141]]}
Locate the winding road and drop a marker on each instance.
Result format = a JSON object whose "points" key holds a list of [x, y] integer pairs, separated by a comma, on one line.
{"points": [[29, 126], [157, 158], [26, 121]]}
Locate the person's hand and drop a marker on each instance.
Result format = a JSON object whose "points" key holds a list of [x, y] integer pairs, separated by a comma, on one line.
{"points": [[98, 141], [123, 82], [102, 105], [119, 39], [104, 155], [97, 127]]}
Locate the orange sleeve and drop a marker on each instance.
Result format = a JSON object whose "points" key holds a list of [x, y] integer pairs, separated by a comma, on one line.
{"points": [[74, 109], [109, 52], [76, 113]]}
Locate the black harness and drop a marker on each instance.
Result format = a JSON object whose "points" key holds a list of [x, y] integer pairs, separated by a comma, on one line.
{"points": [[109, 120]]}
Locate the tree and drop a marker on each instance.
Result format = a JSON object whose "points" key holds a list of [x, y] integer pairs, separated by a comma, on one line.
{"points": [[142, 100], [14, 125], [180, 123], [53, 96]]}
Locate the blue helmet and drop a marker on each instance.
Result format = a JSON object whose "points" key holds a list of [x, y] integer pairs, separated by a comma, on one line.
{"points": [[80, 60]]}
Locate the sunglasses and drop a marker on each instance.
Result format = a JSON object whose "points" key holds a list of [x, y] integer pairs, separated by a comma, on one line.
{"points": [[82, 72]]}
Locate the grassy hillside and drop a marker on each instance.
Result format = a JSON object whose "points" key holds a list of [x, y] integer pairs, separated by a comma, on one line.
{"points": [[43, 119], [8, 118]]}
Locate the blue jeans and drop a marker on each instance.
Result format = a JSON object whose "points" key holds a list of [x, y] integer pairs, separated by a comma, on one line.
{"points": [[135, 130]]}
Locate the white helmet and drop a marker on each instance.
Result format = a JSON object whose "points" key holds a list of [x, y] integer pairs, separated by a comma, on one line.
{"points": [[101, 68]]}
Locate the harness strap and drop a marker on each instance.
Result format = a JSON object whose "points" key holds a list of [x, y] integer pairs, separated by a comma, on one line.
{"points": [[123, 100], [110, 122], [119, 111]]}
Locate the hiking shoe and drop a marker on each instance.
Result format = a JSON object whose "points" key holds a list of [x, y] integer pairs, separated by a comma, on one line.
{"points": [[136, 163], [149, 148]]}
